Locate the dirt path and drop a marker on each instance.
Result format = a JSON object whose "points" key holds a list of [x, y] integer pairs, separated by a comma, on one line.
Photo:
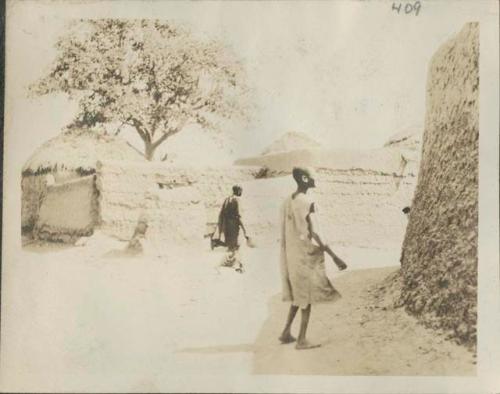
{"points": [[146, 324], [360, 335]]}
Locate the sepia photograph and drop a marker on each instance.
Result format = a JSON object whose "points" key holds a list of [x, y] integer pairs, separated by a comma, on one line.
{"points": [[250, 196]]}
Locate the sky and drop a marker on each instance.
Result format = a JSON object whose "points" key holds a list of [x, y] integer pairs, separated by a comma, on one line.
{"points": [[347, 73]]}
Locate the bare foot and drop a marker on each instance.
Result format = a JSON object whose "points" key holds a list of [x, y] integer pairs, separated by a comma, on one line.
{"points": [[306, 345], [284, 339]]}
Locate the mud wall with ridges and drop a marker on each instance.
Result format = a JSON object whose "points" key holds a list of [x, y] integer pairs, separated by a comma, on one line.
{"points": [[440, 247], [179, 203]]}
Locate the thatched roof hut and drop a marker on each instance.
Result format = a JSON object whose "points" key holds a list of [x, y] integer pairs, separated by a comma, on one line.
{"points": [[78, 150], [291, 141], [60, 167]]}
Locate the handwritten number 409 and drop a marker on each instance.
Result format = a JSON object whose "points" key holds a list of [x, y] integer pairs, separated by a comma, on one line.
{"points": [[407, 8]]}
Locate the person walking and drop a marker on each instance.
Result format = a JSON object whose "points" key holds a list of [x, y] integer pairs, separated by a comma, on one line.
{"points": [[302, 259], [229, 225]]}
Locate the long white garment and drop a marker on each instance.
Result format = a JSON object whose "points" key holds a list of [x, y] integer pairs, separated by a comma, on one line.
{"points": [[302, 262]]}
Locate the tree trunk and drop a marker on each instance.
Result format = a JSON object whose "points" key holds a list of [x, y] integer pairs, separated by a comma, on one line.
{"points": [[149, 150]]}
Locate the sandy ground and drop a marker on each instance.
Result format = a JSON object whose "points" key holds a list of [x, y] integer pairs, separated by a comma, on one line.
{"points": [[81, 319], [360, 335]]}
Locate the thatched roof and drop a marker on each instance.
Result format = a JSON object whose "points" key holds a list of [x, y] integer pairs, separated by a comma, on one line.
{"points": [[291, 141], [410, 138], [382, 160], [79, 150]]}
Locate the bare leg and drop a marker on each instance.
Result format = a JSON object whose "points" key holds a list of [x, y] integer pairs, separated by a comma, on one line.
{"points": [[286, 335], [238, 265], [302, 342]]}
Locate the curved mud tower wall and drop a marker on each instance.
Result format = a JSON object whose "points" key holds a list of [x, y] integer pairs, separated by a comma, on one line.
{"points": [[439, 264]]}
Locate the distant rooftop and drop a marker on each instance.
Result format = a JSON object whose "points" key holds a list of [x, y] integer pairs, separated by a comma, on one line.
{"points": [[410, 138], [291, 141]]}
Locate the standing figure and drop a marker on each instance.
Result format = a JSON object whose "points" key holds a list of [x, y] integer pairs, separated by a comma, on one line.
{"points": [[302, 259], [229, 225], [406, 211]]}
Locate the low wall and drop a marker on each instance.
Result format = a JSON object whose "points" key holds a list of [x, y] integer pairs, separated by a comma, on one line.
{"points": [[359, 208], [364, 209], [355, 208], [174, 217], [179, 203], [68, 210]]}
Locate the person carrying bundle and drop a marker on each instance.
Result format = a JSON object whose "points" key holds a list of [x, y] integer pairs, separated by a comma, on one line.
{"points": [[228, 226]]}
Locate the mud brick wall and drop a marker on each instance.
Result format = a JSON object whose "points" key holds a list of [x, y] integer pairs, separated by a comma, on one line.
{"points": [[363, 208], [440, 247], [359, 208], [129, 191], [179, 203], [355, 208]]}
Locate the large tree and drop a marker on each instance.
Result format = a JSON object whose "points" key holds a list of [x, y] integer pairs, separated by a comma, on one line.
{"points": [[152, 75]]}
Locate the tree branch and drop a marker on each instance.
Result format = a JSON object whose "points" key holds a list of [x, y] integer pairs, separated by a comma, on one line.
{"points": [[160, 140], [141, 130], [137, 150], [119, 128], [169, 133]]}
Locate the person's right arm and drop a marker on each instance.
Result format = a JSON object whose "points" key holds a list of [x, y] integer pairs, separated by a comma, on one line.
{"points": [[322, 244], [240, 220]]}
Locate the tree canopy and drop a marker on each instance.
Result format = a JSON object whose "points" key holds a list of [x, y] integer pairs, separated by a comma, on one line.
{"points": [[152, 75]]}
